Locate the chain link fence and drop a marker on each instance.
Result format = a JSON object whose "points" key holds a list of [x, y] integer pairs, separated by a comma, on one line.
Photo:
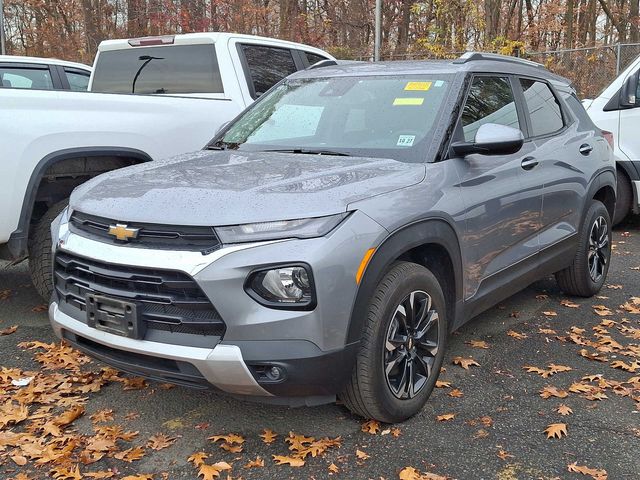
{"points": [[590, 69]]}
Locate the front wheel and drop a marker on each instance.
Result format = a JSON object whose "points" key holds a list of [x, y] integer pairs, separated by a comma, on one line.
{"points": [[590, 266], [402, 346]]}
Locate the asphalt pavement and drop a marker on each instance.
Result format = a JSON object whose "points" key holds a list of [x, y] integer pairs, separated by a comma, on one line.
{"points": [[500, 418]]}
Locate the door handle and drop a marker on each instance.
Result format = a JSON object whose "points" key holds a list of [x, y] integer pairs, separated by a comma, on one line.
{"points": [[585, 149], [529, 163]]}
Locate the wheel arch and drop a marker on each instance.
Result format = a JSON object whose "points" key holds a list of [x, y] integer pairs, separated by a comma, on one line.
{"points": [[432, 243], [603, 190], [16, 247]]}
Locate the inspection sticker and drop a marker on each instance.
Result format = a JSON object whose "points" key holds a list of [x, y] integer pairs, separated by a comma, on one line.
{"points": [[405, 140], [408, 101], [421, 86], [439, 83]]}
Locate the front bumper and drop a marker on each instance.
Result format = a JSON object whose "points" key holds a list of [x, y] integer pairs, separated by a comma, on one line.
{"points": [[221, 366], [309, 346]]}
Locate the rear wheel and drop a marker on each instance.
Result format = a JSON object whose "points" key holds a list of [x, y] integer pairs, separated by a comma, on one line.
{"points": [[402, 346], [40, 256], [590, 266], [624, 197]]}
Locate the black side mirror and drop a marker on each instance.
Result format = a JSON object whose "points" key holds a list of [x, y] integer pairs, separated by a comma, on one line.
{"points": [[491, 139], [629, 90]]}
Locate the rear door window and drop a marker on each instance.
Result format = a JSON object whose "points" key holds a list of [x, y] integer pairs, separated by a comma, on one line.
{"points": [[36, 78], [156, 70], [543, 107], [267, 66], [490, 100], [78, 79]]}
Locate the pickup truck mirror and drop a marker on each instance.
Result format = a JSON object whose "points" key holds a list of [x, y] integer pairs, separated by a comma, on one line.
{"points": [[628, 93], [491, 139]]}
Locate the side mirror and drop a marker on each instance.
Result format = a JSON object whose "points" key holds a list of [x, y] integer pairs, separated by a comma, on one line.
{"points": [[491, 139], [629, 90]]}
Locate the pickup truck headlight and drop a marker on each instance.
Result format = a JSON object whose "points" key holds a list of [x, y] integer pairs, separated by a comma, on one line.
{"points": [[300, 228], [288, 286]]}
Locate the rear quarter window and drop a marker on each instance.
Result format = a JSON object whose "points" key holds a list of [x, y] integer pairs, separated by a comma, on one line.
{"points": [[157, 70], [544, 109]]}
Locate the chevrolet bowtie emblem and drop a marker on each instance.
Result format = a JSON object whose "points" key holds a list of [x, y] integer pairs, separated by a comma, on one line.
{"points": [[122, 232]]}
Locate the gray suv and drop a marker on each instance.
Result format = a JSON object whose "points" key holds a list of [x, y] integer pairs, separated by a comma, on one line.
{"points": [[331, 236]]}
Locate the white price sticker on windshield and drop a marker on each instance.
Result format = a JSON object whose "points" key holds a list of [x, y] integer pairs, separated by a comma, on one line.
{"points": [[405, 140]]}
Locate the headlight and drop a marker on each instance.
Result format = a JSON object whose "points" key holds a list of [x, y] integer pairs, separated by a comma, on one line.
{"points": [[289, 286], [300, 228]]}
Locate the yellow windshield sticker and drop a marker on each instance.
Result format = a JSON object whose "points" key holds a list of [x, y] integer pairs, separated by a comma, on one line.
{"points": [[421, 86], [408, 101]]}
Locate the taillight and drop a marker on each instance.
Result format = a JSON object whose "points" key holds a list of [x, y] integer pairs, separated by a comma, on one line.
{"points": [[147, 41], [609, 137]]}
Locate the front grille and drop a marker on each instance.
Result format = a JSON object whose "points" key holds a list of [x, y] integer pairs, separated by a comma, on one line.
{"points": [[168, 300], [149, 234]]}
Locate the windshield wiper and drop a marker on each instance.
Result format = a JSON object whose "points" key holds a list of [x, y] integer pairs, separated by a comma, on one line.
{"points": [[309, 151]]}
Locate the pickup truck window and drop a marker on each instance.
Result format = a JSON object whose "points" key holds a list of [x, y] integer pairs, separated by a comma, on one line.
{"points": [[162, 69], [314, 57], [267, 66], [78, 81], [25, 77]]}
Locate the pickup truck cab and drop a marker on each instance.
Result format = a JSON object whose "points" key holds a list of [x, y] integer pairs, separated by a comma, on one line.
{"points": [[35, 73], [617, 109], [222, 66], [186, 87]]}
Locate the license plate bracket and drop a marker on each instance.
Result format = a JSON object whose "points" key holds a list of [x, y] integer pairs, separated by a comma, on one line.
{"points": [[114, 316]]}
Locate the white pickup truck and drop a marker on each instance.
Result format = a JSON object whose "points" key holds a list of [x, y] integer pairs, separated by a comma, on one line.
{"points": [[186, 87]]}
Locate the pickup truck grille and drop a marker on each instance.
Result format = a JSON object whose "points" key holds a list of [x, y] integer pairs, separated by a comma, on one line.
{"points": [[169, 300], [149, 234]]}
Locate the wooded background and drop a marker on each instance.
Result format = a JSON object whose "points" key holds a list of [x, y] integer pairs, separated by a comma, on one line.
{"points": [[72, 29]]}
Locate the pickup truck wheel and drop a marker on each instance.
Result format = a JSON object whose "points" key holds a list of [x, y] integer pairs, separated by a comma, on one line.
{"points": [[40, 256], [402, 346], [624, 197], [588, 272]]}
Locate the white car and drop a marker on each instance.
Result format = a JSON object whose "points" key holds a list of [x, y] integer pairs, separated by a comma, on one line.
{"points": [[617, 109], [37, 73], [53, 141]]}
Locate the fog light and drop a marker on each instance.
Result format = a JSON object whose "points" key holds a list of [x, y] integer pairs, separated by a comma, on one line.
{"points": [[275, 373], [287, 286]]}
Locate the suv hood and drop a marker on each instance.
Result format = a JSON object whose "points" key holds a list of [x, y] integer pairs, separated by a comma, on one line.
{"points": [[230, 187]]}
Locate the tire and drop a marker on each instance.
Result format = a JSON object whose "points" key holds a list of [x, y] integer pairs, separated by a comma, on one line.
{"points": [[624, 197], [578, 279], [371, 393], [40, 256]]}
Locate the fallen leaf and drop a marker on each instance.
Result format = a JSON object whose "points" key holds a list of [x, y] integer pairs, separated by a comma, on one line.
{"points": [[160, 441], [9, 330], [333, 468], [284, 460], [456, 393], [361, 455], [258, 462], [130, 454], [564, 409], [197, 458], [209, 472], [445, 417], [478, 344], [569, 304], [550, 391], [268, 436], [556, 430], [516, 335], [442, 384], [465, 362], [503, 455], [550, 313], [591, 472], [370, 426]]}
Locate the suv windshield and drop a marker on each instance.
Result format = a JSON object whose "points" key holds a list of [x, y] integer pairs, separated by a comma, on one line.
{"points": [[374, 116], [165, 69]]}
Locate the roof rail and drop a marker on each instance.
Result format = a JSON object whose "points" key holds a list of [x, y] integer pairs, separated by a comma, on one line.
{"points": [[323, 63], [474, 56]]}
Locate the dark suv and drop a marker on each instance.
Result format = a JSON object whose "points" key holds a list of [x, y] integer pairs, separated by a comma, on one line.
{"points": [[335, 232]]}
